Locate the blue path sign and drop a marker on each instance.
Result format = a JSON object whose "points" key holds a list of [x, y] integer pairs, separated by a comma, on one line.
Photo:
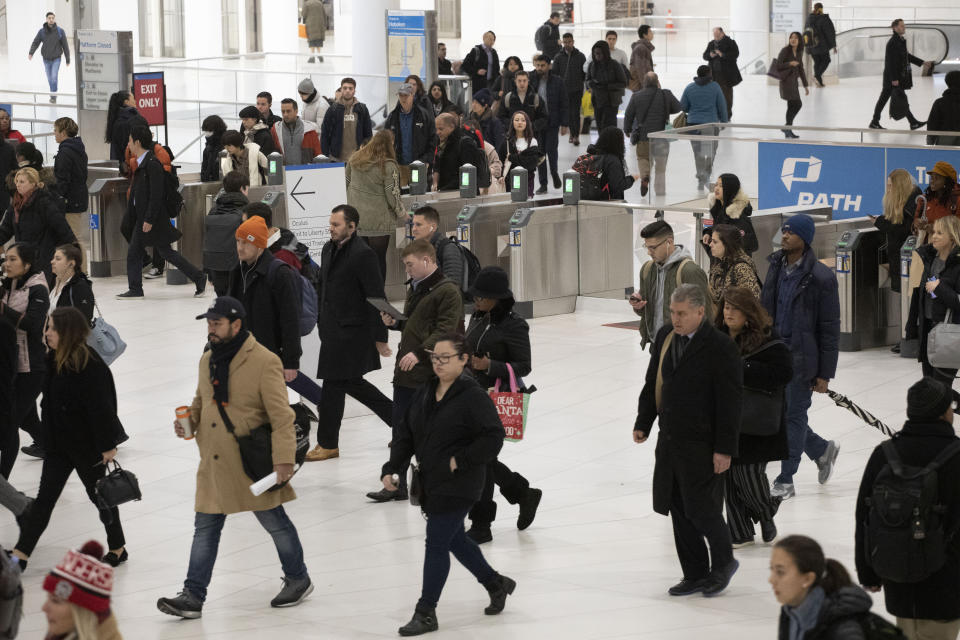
{"points": [[918, 161], [406, 45]]}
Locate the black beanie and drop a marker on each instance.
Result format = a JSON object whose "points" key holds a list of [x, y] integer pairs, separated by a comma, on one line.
{"points": [[928, 399], [731, 187]]}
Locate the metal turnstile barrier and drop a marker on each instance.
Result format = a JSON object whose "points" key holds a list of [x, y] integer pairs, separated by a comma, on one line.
{"points": [[908, 348], [543, 273], [107, 246], [869, 314]]}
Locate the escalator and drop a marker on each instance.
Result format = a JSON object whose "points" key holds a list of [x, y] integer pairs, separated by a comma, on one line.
{"points": [[862, 49]]}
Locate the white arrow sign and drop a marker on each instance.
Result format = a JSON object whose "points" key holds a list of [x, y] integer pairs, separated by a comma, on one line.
{"points": [[790, 166]]}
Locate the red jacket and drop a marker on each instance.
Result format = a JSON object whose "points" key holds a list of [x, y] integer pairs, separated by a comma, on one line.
{"points": [[311, 142]]}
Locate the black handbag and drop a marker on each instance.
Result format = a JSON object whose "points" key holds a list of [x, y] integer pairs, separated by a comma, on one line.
{"points": [[761, 411], [117, 487], [899, 106]]}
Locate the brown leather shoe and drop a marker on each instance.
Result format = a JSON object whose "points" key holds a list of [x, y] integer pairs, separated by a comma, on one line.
{"points": [[318, 453]]}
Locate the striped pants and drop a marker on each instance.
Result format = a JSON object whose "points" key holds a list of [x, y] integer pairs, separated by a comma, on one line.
{"points": [[748, 499]]}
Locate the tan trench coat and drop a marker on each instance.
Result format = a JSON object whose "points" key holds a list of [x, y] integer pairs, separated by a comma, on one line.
{"points": [[258, 395]]}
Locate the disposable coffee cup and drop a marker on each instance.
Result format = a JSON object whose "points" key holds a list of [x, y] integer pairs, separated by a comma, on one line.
{"points": [[183, 417]]}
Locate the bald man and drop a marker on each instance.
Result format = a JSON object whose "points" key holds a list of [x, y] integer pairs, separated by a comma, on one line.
{"points": [[453, 150]]}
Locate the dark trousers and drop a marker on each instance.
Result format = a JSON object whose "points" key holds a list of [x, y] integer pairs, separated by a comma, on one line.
{"points": [[402, 397], [606, 116], [882, 102], [26, 390], [820, 63], [574, 99], [307, 388], [135, 261], [220, 280], [748, 499], [727, 91], [330, 410], [793, 108], [57, 467], [513, 487], [689, 530], [445, 535], [550, 139], [379, 244]]}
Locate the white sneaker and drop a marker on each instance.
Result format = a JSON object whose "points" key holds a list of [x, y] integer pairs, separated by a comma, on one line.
{"points": [[827, 462], [153, 274], [782, 490]]}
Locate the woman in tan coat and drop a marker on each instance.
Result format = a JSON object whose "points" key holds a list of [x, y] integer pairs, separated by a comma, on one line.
{"points": [[244, 380], [373, 188], [790, 67]]}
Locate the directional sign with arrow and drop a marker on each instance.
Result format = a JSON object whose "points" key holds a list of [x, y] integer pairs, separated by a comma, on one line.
{"points": [[312, 191]]}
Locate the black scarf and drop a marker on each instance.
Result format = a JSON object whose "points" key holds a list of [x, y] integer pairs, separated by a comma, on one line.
{"points": [[221, 355]]}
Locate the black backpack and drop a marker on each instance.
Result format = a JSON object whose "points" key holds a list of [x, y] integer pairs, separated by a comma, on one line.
{"points": [[303, 416], [592, 186], [539, 38], [906, 536], [471, 264], [471, 148], [877, 628]]}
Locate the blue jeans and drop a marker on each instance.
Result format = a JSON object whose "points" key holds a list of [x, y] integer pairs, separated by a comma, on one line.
{"points": [[206, 541], [52, 67], [800, 437], [445, 535]]}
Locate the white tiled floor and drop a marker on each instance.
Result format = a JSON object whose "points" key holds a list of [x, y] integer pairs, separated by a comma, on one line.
{"points": [[595, 564]]}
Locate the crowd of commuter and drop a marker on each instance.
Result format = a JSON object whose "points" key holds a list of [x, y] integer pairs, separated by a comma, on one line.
{"points": [[758, 350]]}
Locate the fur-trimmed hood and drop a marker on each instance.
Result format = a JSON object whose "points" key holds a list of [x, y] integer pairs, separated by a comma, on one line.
{"points": [[737, 206]]}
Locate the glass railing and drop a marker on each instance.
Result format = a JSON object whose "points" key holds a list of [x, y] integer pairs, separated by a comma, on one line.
{"points": [[862, 50]]}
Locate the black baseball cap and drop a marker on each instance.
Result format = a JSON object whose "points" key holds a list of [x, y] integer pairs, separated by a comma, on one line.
{"points": [[224, 307]]}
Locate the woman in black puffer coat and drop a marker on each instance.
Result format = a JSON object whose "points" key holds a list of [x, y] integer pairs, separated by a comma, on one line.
{"points": [[767, 367], [729, 204], [611, 165], [213, 128], [939, 290], [453, 428], [495, 338]]}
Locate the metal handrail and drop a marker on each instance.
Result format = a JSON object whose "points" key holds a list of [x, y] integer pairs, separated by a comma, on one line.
{"points": [[672, 134], [236, 56]]}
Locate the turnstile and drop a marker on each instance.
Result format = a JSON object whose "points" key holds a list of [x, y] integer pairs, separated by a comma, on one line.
{"points": [[869, 314], [543, 269]]}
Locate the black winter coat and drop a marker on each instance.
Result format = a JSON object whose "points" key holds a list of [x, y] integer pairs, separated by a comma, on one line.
{"points": [[70, 170], [824, 33], [41, 223], [897, 61], [8, 369], [724, 67], [607, 81], [220, 226], [504, 337], [79, 410], [531, 104], [78, 293], [692, 426], [349, 325], [210, 163], [613, 174], [839, 619], [464, 425], [569, 68], [947, 292], [945, 116], [272, 304], [648, 112], [896, 235], [529, 158], [32, 320], [447, 162], [490, 126], [146, 203], [8, 163], [331, 129], [549, 36], [127, 118], [557, 102], [476, 60], [938, 596], [424, 134], [766, 369]]}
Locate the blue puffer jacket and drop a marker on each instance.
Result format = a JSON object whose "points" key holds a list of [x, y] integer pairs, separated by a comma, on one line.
{"points": [[815, 315], [704, 102]]}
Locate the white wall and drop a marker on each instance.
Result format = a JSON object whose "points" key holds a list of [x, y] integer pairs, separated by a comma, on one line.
{"points": [[279, 22], [202, 30], [514, 22], [121, 15]]}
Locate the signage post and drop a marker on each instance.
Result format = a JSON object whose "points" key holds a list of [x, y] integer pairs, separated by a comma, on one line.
{"points": [[150, 92], [104, 65]]}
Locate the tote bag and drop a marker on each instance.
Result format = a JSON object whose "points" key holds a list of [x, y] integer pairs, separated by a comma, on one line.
{"points": [[104, 339], [943, 344], [512, 408]]}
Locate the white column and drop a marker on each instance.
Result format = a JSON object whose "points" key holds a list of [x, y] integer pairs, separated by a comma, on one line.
{"points": [[514, 23], [369, 49], [278, 24], [752, 19]]}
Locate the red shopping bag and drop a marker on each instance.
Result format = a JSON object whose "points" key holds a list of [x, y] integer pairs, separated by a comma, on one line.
{"points": [[512, 407]]}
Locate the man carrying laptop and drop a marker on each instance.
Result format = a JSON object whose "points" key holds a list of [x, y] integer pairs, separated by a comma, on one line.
{"points": [[352, 336]]}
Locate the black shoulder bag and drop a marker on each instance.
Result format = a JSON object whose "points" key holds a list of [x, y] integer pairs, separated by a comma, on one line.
{"points": [[117, 487], [256, 449], [761, 410]]}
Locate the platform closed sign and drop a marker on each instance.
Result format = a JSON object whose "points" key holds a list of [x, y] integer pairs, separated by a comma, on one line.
{"points": [[849, 179]]}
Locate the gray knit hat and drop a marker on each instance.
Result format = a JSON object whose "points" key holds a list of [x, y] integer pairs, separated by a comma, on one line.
{"points": [[306, 86]]}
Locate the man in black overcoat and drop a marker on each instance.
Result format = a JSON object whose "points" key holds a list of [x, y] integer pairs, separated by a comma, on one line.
{"points": [[352, 337], [152, 227], [896, 73], [693, 387]]}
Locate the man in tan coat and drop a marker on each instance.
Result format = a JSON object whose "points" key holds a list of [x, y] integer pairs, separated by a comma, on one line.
{"points": [[246, 379]]}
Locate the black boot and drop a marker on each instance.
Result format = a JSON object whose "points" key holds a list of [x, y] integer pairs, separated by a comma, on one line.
{"points": [[498, 588], [528, 508], [422, 622], [481, 516]]}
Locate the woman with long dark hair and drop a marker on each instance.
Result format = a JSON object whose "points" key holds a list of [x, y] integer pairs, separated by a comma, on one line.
{"points": [[213, 128], [612, 165], [521, 149], [498, 337], [504, 84], [818, 598], [453, 428], [790, 67], [24, 303], [420, 97], [767, 368], [72, 287], [606, 80], [122, 115], [373, 187], [439, 102], [81, 430], [729, 204], [730, 266]]}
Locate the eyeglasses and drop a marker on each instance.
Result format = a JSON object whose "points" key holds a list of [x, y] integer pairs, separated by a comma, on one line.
{"points": [[441, 358], [651, 249]]}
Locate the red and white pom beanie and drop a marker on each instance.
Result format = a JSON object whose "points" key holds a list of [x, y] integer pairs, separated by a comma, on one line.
{"points": [[82, 579]]}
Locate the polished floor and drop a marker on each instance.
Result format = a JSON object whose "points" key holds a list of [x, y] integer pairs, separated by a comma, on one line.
{"points": [[595, 564]]}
